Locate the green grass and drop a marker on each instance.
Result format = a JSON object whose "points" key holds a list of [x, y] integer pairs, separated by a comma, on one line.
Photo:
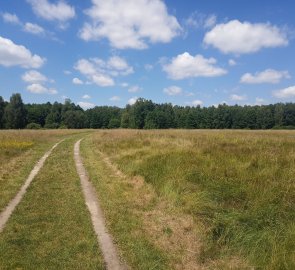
{"points": [[51, 227], [238, 185], [119, 207], [19, 151]]}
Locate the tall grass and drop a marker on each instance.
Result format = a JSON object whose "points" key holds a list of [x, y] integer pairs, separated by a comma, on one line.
{"points": [[238, 184]]}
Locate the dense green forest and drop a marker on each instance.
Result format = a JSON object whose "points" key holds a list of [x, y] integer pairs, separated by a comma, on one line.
{"points": [[144, 114]]}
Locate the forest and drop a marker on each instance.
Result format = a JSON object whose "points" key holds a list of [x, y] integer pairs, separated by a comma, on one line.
{"points": [[144, 114]]}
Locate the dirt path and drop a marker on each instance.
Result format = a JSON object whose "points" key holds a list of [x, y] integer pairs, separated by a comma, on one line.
{"points": [[6, 213], [107, 246]]}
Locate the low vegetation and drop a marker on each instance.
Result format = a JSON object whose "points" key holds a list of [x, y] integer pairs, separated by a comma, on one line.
{"points": [[19, 151], [51, 228], [238, 186]]}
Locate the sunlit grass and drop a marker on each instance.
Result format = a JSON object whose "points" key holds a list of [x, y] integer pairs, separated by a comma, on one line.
{"points": [[239, 185], [51, 227], [19, 151]]}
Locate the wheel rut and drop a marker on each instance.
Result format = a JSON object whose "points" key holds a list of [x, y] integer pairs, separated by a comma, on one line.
{"points": [[105, 241], [7, 212]]}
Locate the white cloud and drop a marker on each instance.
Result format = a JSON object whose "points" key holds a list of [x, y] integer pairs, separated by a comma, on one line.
{"points": [[102, 72], [59, 11], [37, 88], [86, 97], [132, 100], [33, 76], [232, 62], [235, 97], [86, 105], [187, 66], [238, 38], [12, 54], [200, 20], [10, 18], [119, 66], [259, 101], [173, 90], [93, 73], [33, 28], [210, 21], [197, 102], [134, 89], [288, 92], [77, 81], [115, 98], [130, 23], [266, 76]]}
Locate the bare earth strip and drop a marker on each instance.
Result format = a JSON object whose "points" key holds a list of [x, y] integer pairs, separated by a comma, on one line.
{"points": [[109, 251], [5, 215]]}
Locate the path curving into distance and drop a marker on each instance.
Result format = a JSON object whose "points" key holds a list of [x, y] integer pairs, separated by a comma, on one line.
{"points": [[106, 244], [7, 212]]}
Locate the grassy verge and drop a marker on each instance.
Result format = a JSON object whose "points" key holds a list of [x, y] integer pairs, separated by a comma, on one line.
{"points": [[119, 202], [19, 151], [237, 185], [51, 228]]}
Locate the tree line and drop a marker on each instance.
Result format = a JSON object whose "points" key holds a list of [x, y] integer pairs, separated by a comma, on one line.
{"points": [[144, 114]]}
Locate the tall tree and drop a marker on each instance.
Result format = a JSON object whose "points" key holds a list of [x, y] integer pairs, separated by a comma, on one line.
{"points": [[15, 113], [2, 107]]}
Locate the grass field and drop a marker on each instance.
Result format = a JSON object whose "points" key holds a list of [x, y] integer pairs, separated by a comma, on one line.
{"points": [[19, 151], [235, 189], [51, 228], [172, 199]]}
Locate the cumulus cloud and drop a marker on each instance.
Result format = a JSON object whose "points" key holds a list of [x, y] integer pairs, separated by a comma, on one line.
{"points": [[60, 11], [132, 100], [12, 54], [288, 92], [236, 97], [33, 76], [10, 18], [33, 28], [93, 73], [187, 66], [77, 81], [173, 90], [244, 37], [197, 102], [86, 105], [115, 98], [102, 72], [37, 88], [134, 89], [266, 76], [130, 23], [86, 97]]}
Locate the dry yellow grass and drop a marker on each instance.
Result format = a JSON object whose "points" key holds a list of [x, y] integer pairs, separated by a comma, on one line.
{"points": [[235, 187]]}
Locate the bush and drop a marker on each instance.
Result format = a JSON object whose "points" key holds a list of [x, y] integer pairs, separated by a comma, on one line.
{"points": [[33, 126], [51, 126]]}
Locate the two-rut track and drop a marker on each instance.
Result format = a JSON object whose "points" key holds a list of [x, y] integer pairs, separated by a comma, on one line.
{"points": [[109, 251]]}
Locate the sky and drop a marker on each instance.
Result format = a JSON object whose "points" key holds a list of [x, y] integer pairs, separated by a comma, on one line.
{"points": [[111, 52]]}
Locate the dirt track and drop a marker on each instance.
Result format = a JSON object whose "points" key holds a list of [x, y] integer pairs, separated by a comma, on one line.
{"points": [[7, 212], [107, 246]]}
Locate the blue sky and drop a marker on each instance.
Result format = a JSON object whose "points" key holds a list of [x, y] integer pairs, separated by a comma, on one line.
{"points": [[99, 52]]}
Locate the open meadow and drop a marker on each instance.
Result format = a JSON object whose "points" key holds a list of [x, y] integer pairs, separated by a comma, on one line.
{"points": [[172, 199]]}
